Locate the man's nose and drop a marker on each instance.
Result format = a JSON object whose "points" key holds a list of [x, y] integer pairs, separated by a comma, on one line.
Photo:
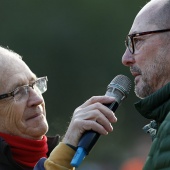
{"points": [[128, 58], [34, 98]]}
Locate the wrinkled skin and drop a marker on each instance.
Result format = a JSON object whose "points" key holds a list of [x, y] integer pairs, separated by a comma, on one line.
{"points": [[92, 115], [25, 118]]}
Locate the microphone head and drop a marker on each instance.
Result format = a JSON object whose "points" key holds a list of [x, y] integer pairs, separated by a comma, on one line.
{"points": [[119, 88]]}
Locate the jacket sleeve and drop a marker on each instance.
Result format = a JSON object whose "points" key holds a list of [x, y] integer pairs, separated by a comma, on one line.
{"points": [[40, 164], [59, 159]]}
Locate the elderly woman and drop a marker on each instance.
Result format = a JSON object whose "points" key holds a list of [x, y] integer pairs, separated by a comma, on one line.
{"points": [[23, 125]]}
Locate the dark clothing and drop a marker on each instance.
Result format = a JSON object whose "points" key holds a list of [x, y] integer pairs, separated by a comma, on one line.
{"points": [[157, 108], [6, 160]]}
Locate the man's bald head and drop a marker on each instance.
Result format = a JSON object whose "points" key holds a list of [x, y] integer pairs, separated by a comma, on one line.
{"points": [[158, 13], [8, 61], [6, 57]]}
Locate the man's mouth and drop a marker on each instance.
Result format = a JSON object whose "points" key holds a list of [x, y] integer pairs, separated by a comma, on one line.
{"points": [[135, 74], [34, 116]]}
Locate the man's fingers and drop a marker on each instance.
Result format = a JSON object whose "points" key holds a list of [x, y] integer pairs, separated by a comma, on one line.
{"points": [[95, 99]]}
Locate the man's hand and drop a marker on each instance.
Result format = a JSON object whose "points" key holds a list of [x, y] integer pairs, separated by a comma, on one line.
{"points": [[91, 115]]}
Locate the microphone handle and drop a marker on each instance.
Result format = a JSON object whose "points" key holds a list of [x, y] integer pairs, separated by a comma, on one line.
{"points": [[88, 140], [90, 137]]}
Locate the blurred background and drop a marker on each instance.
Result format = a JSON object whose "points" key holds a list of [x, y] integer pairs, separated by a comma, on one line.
{"points": [[78, 44]]}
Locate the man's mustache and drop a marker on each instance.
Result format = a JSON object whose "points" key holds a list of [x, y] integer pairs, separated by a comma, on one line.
{"points": [[134, 69]]}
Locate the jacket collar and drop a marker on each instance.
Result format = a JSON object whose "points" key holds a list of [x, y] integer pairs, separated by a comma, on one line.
{"points": [[156, 106]]}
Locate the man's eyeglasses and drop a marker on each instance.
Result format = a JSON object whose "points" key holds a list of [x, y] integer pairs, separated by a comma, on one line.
{"points": [[40, 86], [129, 42]]}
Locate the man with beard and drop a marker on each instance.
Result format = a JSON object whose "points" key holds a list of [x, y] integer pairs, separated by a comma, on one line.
{"points": [[148, 56]]}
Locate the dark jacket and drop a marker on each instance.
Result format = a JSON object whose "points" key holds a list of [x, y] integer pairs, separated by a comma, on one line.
{"points": [[157, 108], [6, 160]]}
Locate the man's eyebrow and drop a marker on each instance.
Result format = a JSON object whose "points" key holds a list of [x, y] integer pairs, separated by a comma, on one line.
{"points": [[22, 83], [33, 79], [15, 85], [134, 32]]}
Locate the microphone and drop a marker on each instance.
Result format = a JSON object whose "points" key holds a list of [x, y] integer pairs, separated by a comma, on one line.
{"points": [[118, 88]]}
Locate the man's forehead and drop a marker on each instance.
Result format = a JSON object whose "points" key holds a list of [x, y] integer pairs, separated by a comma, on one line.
{"points": [[11, 82], [21, 80], [14, 72], [144, 19], [9, 65]]}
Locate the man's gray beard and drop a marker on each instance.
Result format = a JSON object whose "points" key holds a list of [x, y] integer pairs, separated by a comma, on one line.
{"points": [[144, 90]]}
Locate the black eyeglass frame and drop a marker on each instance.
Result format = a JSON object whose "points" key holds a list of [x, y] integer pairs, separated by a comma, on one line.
{"points": [[132, 36], [12, 93]]}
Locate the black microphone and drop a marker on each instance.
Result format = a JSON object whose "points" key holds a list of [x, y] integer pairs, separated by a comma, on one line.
{"points": [[119, 88]]}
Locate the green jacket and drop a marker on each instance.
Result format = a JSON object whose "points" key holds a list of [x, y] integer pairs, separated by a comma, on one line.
{"points": [[157, 108]]}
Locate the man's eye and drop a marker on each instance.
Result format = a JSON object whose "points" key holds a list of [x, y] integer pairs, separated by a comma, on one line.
{"points": [[137, 40], [17, 91]]}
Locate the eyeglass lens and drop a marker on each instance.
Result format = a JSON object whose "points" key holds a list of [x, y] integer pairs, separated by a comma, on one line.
{"points": [[40, 86], [129, 44]]}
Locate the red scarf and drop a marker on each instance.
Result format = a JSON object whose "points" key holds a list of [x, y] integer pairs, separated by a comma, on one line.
{"points": [[26, 151]]}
